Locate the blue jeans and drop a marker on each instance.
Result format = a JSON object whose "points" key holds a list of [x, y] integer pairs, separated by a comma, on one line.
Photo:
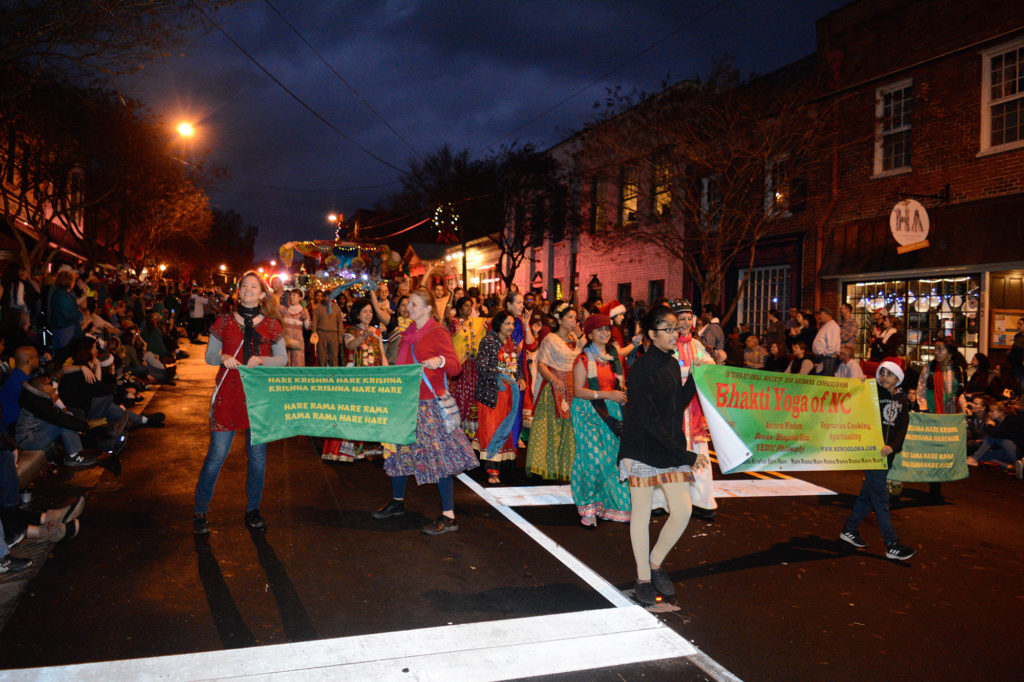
{"points": [[103, 406], [874, 495], [996, 449], [46, 433], [220, 445]]}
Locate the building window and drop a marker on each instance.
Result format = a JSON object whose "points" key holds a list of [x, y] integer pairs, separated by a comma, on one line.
{"points": [[784, 194], [655, 291], [661, 184], [1002, 97], [629, 194], [767, 288], [893, 107], [927, 308], [625, 292], [598, 196], [710, 203]]}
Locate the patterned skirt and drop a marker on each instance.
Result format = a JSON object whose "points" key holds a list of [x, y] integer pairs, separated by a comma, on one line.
{"points": [[551, 448], [435, 454], [642, 475], [340, 450], [490, 419], [596, 488], [463, 389]]}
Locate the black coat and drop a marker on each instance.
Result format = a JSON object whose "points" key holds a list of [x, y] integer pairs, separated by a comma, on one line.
{"points": [[652, 424]]}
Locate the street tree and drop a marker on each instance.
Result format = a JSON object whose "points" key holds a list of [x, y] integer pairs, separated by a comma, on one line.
{"points": [[706, 169], [49, 37]]}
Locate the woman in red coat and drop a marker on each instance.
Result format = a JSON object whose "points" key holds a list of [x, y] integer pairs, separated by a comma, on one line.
{"points": [[437, 455]]}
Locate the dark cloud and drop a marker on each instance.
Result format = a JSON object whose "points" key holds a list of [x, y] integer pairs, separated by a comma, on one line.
{"points": [[465, 73]]}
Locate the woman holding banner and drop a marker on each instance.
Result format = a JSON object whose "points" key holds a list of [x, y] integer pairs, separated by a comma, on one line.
{"points": [[251, 335], [599, 389], [441, 450], [653, 452], [499, 392]]}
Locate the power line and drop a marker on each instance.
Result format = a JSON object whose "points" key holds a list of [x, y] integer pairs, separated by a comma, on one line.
{"points": [[342, 79], [608, 73], [298, 99]]}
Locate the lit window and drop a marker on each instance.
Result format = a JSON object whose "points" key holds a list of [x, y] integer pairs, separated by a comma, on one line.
{"points": [[629, 194]]}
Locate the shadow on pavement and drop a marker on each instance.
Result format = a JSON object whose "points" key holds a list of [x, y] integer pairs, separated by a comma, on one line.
{"points": [[517, 600], [233, 631], [296, 621]]}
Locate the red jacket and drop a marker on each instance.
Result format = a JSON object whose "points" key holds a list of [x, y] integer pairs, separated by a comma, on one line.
{"points": [[434, 341]]}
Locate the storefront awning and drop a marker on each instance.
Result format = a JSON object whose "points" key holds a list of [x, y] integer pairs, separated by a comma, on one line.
{"points": [[963, 235]]}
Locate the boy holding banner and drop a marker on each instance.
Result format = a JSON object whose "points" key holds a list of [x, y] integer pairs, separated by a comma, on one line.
{"points": [[895, 412]]}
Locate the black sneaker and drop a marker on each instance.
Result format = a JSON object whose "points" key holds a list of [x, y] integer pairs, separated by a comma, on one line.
{"points": [[200, 526], [853, 538], [79, 459], [156, 419], [646, 594], [443, 524], [13, 564], [703, 514], [898, 552], [254, 520], [662, 582], [16, 538], [392, 508]]}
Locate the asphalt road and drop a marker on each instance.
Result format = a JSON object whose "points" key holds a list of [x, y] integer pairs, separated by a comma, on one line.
{"points": [[767, 591]]}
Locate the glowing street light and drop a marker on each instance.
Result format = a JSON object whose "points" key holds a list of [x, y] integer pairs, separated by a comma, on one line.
{"points": [[332, 217], [223, 267], [186, 129], [273, 263]]}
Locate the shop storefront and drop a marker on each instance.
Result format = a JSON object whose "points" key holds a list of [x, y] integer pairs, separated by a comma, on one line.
{"points": [[928, 307]]}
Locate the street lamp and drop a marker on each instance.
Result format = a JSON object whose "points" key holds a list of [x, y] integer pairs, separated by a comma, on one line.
{"points": [[223, 267], [186, 129]]}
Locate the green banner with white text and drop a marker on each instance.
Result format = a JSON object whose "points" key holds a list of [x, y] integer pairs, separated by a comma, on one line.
{"points": [[768, 421], [375, 404], [935, 449]]}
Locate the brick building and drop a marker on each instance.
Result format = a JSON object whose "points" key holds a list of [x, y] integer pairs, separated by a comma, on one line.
{"points": [[925, 102]]}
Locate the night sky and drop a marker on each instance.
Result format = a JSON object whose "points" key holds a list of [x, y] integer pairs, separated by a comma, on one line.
{"points": [[474, 74]]}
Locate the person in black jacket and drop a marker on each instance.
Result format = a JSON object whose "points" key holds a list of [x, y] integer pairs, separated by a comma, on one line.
{"points": [[895, 412], [652, 452]]}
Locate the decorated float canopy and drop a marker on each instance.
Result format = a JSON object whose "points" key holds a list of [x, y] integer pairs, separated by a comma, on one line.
{"points": [[359, 266]]}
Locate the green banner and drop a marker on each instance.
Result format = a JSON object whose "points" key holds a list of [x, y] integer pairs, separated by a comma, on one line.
{"points": [[767, 421], [935, 449], [358, 403]]}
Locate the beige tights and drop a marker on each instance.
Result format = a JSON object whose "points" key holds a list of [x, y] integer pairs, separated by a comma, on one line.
{"points": [[678, 495]]}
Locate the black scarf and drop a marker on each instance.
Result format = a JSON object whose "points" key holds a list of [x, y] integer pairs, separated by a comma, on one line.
{"points": [[250, 340]]}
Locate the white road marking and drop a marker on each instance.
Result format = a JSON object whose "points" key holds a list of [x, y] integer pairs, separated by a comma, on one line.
{"points": [[543, 495], [596, 582]]}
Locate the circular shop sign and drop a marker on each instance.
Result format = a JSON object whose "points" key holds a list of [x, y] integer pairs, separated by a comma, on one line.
{"points": [[909, 222]]}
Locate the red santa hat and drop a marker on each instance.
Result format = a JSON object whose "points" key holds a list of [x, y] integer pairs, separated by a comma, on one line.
{"points": [[613, 308]]}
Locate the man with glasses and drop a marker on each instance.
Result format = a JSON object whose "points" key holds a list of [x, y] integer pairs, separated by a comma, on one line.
{"points": [[690, 353]]}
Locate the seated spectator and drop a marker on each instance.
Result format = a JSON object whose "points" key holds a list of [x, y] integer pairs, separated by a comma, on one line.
{"points": [[754, 353], [26, 362], [977, 415], [1004, 437], [18, 523], [81, 389], [41, 422], [982, 381], [801, 362], [776, 360], [849, 366]]}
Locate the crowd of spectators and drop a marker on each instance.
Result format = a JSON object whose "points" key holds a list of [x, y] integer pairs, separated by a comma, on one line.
{"points": [[77, 351]]}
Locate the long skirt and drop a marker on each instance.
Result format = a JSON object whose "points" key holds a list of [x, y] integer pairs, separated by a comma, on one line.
{"points": [[343, 450], [463, 389], [596, 488], [436, 453], [490, 419], [551, 448]]}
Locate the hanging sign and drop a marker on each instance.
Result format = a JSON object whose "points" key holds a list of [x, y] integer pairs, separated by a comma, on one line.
{"points": [[909, 225]]}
